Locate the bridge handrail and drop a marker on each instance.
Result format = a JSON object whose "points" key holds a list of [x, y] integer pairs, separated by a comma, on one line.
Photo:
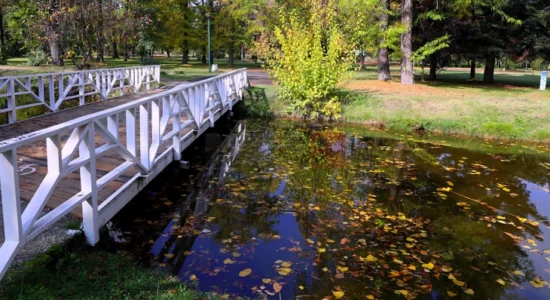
{"points": [[52, 90], [158, 128]]}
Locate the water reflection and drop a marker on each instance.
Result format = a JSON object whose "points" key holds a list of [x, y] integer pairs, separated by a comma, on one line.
{"points": [[298, 212]]}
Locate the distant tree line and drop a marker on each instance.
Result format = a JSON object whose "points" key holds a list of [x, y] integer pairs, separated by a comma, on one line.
{"points": [[421, 33]]}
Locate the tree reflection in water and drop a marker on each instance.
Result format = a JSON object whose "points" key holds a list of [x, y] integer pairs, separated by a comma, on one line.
{"points": [[324, 212]]}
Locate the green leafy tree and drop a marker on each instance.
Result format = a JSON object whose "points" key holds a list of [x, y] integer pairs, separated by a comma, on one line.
{"points": [[310, 60]]}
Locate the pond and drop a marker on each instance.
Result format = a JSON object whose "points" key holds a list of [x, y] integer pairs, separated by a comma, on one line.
{"points": [[286, 210]]}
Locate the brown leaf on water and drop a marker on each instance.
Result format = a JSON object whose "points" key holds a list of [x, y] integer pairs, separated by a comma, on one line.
{"points": [[245, 272], [277, 287], [344, 241]]}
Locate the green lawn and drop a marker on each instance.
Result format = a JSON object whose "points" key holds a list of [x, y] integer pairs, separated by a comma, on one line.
{"points": [[510, 109], [76, 271]]}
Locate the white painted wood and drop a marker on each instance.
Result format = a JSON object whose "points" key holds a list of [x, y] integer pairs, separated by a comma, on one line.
{"points": [[67, 86], [172, 120]]}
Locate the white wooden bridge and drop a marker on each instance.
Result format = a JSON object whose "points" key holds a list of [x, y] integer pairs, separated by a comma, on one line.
{"points": [[92, 159]]}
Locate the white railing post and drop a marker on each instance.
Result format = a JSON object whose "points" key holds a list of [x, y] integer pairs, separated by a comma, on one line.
{"points": [[11, 208], [144, 135], [88, 184], [12, 114]]}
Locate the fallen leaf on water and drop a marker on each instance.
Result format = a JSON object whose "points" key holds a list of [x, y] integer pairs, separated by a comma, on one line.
{"points": [[228, 261], [284, 271], [518, 272], [458, 282], [245, 272], [322, 250], [168, 203], [371, 258], [428, 266], [310, 241], [169, 255], [301, 287], [344, 241], [277, 287], [286, 264], [537, 283], [446, 269], [266, 280], [236, 254], [342, 269], [397, 261], [370, 297], [411, 267], [338, 294], [501, 281], [469, 291], [402, 292], [451, 294], [193, 277]]}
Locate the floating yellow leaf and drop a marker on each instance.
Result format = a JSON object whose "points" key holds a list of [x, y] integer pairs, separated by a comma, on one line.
{"points": [[501, 281], [310, 241], [402, 292], [469, 291], [371, 258], [411, 267], [537, 283], [168, 203], [193, 277], [458, 282], [228, 261], [446, 269], [330, 241], [266, 280], [342, 269], [397, 261], [169, 255], [236, 254], [301, 287], [245, 272], [428, 266], [370, 297], [338, 294], [451, 294], [518, 272], [284, 271], [286, 264], [322, 250]]}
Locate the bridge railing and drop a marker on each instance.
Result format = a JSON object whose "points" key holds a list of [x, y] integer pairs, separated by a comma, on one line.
{"points": [[147, 134], [52, 91]]}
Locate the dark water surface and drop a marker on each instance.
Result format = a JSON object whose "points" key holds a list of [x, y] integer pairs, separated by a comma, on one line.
{"points": [[288, 211]]}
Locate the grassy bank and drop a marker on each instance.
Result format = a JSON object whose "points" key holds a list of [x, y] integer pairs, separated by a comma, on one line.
{"points": [[451, 106], [76, 271]]}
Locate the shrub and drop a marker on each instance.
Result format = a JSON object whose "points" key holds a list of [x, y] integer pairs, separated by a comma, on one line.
{"points": [[309, 61], [3, 56], [37, 58]]}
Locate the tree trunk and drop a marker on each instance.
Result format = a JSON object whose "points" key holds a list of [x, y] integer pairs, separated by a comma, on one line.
{"points": [[383, 53], [489, 74], [100, 35], [433, 66], [473, 69], [185, 52], [115, 50], [52, 28], [231, 54], [126, 53], [407, 71], [168, 54], [2, 36]]}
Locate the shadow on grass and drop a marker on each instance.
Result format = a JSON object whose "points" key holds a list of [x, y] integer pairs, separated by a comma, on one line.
{"points": [[77, 271]]}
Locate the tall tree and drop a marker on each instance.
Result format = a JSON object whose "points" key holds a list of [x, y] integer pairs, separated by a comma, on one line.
{"points": [[407, 70], [383, 52]]}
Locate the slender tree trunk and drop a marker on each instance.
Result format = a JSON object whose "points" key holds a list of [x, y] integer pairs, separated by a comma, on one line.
{"points": [[52, 28], [433, 66], [126, 53], [185, 52], [242, 52], [473, 69], [100, 35], [489, 74], [231, 54], [2, 36], [115, 50], [168, 54], [407, 71], [383, 53]]}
